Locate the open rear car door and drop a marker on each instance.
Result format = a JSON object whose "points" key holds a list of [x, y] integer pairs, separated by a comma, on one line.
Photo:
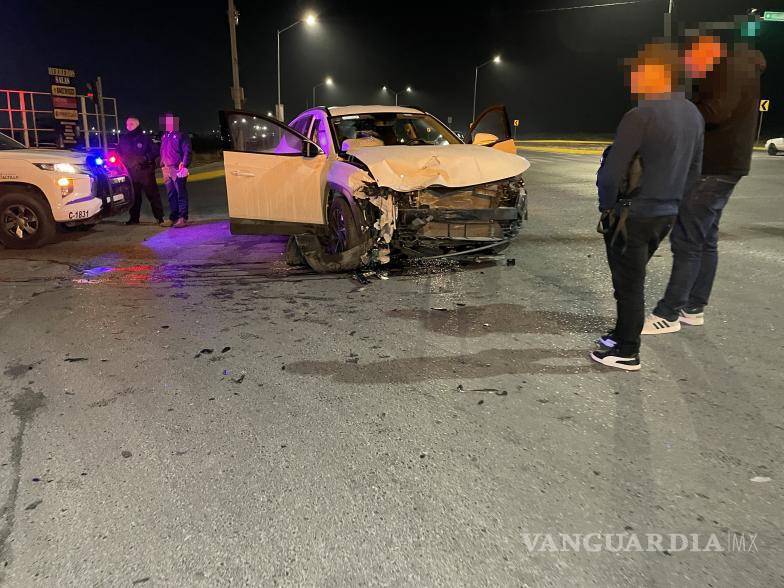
{"points": [[275, 177], [492, 129]]}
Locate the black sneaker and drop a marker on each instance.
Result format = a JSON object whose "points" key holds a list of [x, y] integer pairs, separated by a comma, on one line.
{"points": [[612, 358], [608, 341]]}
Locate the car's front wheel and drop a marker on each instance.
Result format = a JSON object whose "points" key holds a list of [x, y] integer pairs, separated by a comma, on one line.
{"points": [[772, 149], [25, 221], [344, 234]]}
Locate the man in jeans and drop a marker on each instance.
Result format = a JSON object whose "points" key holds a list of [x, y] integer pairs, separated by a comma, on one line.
{"points": [[665, 131], [728, 98], [175, 159]]}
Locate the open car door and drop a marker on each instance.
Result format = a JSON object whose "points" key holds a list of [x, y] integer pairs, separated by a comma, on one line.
{"points": [[492, 129], [275, 177]]}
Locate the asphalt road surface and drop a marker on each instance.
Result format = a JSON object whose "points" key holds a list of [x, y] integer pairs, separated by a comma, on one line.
{"points": [[179, 408]]}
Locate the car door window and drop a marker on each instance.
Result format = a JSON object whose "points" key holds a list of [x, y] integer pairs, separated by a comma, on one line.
{"points": [[255, 134], [301, 125], [492, 121], [319, 135]]}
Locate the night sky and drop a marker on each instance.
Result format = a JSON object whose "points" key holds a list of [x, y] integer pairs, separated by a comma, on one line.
{"points": [[560, 72]]}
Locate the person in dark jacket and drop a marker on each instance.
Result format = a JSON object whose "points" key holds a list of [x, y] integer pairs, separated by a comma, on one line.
{"points": [[139, 153], [665, 131], [175, 158], [728, 97]]}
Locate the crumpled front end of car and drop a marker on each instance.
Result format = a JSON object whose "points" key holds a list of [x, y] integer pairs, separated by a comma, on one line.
{"points": [[438, 220]]}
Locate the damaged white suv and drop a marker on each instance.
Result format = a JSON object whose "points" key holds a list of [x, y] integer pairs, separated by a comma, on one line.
{"points": [[355, 185]]}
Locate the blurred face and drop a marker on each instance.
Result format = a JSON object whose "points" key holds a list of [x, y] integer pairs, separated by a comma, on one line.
{"points": [[703, 55], [651, 80], [169, 123], [132, 124]]}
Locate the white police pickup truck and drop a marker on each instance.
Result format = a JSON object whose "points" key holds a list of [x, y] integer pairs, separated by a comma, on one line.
{"points": [[43, 189]]}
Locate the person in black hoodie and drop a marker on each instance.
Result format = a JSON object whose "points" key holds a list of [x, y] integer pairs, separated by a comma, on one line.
{"points": [[728, 97], [665, 132], [138, 153]]}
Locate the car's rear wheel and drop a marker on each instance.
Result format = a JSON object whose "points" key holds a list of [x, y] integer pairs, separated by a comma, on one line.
{"points": [[25, 221], [772, 149]]}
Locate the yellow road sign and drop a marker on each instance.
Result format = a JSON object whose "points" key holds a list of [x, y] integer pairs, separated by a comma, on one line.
{"points": [[516, 122], [764, 105]]}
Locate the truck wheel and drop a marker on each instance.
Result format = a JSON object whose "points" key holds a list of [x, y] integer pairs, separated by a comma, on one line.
{"points": [[25, 221], [772, 149]]}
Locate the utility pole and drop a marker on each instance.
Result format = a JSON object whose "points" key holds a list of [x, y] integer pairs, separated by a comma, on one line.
{"points": [[101, 117], [668, 20], [237, 93]]}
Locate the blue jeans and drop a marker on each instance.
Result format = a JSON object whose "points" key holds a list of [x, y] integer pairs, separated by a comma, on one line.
{"points": [[177, 192], [694, 241]]}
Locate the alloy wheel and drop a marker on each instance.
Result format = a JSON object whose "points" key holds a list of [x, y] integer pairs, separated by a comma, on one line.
{"points": [[20, 221]]}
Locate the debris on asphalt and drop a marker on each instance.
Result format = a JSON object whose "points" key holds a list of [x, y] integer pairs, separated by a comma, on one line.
{"points": [[481, 402], [33, 505], [73, 359], [205, 351], [360, 277], [238, 379], [511, 261], [126, 454], [225, 349], [760, 479]]}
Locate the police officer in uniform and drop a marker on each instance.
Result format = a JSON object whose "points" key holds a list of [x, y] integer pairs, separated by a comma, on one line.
{"points": [[138, 153]]}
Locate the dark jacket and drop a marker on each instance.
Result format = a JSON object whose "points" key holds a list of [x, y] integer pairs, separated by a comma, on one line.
{"points": [[667, 134], [728, 99], [175, 149], [137, 150]]}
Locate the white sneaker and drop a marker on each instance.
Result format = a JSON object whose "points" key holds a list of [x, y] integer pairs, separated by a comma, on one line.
{"points": [[656, 325], [692, 318]]}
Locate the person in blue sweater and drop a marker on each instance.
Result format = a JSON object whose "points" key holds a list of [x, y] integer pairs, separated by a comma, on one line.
{"points": [[664, 134]]}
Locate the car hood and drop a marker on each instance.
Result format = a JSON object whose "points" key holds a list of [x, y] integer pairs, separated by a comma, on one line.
{"points": [[44, 155], [406, 168]]}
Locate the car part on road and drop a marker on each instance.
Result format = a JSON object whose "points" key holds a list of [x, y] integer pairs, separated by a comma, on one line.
{"points": [[25, 221]]}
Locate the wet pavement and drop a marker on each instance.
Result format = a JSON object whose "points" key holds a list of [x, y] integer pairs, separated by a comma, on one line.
{"points": [[181, 408]]}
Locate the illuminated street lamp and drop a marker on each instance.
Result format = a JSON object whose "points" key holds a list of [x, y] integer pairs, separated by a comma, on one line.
{"points": [[385, 89], [496, 59], [310, 20], [327, 82]]}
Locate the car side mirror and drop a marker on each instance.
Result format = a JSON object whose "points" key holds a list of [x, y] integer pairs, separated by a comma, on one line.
{"points": [[310, 149], [484, 139]]}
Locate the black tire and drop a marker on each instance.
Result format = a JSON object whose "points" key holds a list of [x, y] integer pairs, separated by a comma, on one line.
{"points": [[772, 150], [344, 234], [25, 214]]}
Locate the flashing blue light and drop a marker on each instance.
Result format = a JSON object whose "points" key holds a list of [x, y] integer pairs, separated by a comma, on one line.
{"points": [[99, 161]]}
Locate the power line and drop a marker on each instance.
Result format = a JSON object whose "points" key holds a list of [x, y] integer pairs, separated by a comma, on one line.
{"points": [[590, 6]]}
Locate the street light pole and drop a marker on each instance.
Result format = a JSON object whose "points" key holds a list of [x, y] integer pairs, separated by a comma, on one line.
{"points": [[496, 59], [385, 89], [668, 19], [327, 82], [310, 19], [237, 93]]}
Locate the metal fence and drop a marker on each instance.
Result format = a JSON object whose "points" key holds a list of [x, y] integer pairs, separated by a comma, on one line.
{"points": [[28, 117]]}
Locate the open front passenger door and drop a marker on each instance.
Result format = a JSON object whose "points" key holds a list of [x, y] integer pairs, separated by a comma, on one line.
{"points": [[275, 176], [492, 129]]}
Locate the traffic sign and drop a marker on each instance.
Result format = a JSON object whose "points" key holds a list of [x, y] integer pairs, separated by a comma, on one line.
{"points": [[773, 16], [764, 105], [516, 122]]}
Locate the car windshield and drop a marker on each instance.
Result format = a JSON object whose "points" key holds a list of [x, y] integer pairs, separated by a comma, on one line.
{"points": [[7, 142], [392, 128]]}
